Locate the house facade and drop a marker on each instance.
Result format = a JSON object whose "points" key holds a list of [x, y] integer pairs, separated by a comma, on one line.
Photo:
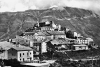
{"points": [[40, 46], [82, 41], [20, 55], [26, 55], [60, 43], [19, 52], [57, 34], [80, 47], [47, 29]]}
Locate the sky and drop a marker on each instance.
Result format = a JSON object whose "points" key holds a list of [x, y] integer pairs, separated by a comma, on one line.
{"points": [[22, 5]]}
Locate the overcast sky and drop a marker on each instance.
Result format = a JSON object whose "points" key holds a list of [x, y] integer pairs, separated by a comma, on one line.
{"points": [[21, 5]]}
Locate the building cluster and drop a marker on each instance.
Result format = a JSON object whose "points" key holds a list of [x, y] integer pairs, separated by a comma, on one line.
{"points": [[34, 41]]}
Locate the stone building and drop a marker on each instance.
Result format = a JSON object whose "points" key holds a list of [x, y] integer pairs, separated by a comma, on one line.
{"points": [[19, 52]]}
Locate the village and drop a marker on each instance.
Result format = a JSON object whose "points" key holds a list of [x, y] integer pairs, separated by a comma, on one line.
{"points": [[42, 38]]}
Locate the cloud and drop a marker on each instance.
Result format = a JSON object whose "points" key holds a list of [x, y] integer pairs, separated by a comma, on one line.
{"points": [[22, 5]]}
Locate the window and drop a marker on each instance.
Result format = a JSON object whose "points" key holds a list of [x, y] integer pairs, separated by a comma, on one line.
{"points": [[27, 53], [80, 47], [20, 54], [23, 59], [26, 40], [23, 53], [30, 58], [30, 52]]}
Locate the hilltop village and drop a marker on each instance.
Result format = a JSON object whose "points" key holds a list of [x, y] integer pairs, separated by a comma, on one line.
{"points": [[42, 38]]}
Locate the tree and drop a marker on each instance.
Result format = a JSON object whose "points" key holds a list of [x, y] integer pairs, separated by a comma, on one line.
{"points": [[69, 34], [51, 49]]}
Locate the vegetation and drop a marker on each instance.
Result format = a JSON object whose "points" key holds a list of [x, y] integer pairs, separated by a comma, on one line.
{"points": [[11, 62], [63, 58], [83, 21], [70, 34]]}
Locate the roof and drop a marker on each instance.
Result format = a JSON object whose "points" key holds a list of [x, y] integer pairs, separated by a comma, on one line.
{"points": [[60, 41], [70, 39], [42, 33], [40, 41], [79, 45], [21, 48], [30, 33], [37, 41], [49, 27], [56, 32], [90, 39], [36, 33], [7, 45]]}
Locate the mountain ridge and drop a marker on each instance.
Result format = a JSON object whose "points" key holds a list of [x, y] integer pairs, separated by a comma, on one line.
{"points": [[82, 21]]}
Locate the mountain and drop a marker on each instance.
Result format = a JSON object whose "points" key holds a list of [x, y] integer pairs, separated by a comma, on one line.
{"points": [[82, 21]]}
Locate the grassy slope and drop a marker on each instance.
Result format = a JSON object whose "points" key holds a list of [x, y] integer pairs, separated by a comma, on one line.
{"points": [[14, 23]]}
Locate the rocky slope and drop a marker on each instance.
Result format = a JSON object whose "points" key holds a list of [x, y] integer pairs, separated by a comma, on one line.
{"points": [[83, 21]]}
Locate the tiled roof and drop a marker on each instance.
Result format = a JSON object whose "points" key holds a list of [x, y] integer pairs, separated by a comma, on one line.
{"points": [[80, 45], [30, 33], [43, 33], [37, 41], [56, 32], [36, 33], [7, 45], [21, 48], [60, 41], [40, 41]]}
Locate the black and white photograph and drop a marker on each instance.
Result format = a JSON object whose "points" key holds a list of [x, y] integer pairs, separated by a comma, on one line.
{"points": [[49, 33]]}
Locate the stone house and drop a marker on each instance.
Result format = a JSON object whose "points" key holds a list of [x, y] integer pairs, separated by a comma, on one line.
{"points": [[82, 41], [57, 34], [46, 28], [79, 47], [60, 43], [19, 52]]}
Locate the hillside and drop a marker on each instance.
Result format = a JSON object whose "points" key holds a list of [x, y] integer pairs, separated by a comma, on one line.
{"points": [[83, 21]]}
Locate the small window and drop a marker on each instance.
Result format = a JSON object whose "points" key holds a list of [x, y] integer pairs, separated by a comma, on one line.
{"points": [[20, 54], [23, 59], [30, 58], [23, 53], [30, 52], [27, 53], [80, 47]]}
